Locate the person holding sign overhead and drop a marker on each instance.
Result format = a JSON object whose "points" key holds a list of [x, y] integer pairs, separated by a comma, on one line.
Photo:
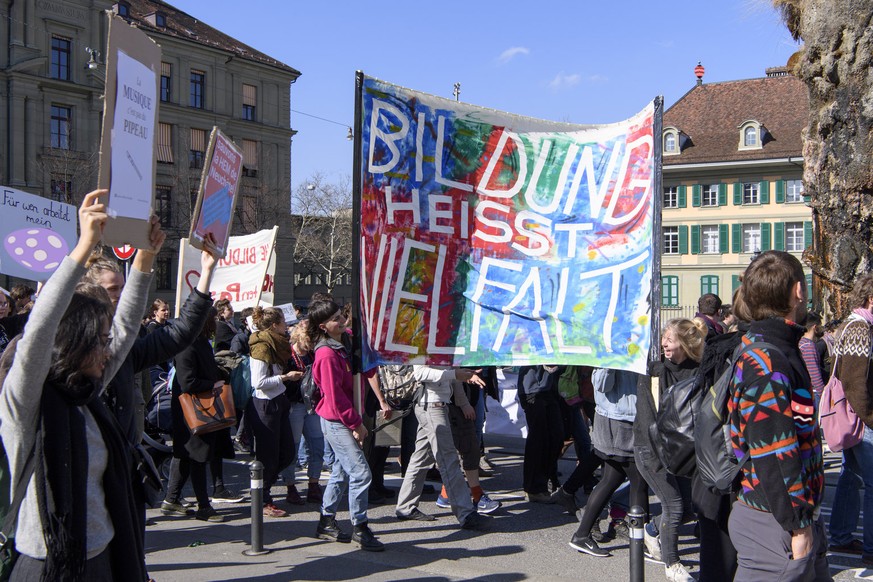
{"points": [[77, 520]]}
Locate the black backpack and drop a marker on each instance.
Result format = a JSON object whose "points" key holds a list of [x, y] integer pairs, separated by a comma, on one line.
{"points": [[717, 464], [674, 426]]}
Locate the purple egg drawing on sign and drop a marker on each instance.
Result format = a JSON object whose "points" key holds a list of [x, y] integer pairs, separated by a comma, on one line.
{"points": [[38, 249]]}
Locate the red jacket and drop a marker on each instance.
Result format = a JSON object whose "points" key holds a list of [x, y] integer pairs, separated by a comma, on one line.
{"points": [[332, 372]]}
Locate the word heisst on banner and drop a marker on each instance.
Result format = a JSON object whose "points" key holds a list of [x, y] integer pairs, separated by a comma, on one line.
{"points": [[504, 245]]}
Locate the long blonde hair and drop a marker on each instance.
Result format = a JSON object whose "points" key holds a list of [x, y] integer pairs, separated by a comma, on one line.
{"points": [[691, 335]]}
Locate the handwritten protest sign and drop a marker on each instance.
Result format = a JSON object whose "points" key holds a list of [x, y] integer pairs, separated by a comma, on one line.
{"points": [[218, 188], [127, 147], [37, 233], [489, 238], [241, 276]]}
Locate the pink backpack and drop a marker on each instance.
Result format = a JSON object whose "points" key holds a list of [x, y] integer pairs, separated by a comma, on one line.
{"points": [[841, 426]]}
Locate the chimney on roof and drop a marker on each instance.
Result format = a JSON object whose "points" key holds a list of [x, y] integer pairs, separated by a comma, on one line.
{"points": [[776, 71], [698, 72]]}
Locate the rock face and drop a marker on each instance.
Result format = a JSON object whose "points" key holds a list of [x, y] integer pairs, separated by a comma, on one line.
{"points": [[835, 65]]}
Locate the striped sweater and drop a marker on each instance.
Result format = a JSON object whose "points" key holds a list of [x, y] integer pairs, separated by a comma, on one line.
{"points": [[772, 414]]}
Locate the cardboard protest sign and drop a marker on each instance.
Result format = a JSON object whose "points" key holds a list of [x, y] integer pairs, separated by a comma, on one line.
{"points": [[37, 234], [127, 147], [219, 185], [493, 239], [239, 277]]}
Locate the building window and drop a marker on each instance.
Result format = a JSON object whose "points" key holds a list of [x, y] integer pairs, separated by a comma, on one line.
{"points": [[709, 284], [710, 195], [60, 66], [164, 272], [670, 143], [794, 239], [671, 197], [165, 143], [751, 193], [166, 82], [198, 148], [61, 127], [710, 238], [751, 238], [669, 291], [250, 102], [164, 205], [671, 240], [62, 189], [122, 9], [794, 191], [198, 87], [250, 158], [161, 20], [750, 136]]}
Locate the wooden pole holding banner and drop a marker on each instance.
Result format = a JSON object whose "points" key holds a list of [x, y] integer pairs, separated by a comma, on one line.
{"points": [[357, 180], [657, 239]]}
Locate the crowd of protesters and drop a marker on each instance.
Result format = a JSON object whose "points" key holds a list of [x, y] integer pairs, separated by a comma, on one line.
{"points": [[72, 422]]}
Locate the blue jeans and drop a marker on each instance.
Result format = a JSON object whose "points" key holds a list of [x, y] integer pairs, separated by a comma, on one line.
{"points": [[308, 425], [350, 470], [857, 472]]}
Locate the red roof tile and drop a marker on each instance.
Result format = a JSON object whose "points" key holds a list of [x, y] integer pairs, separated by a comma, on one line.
{"points": [[711, 115]]}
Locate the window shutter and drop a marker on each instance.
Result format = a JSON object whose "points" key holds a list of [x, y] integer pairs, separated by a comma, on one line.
{"points": [[807, 234], [735, 283], [779, 236], [682, 196], [250, 154], [695, 239], [809, 288], [780, 191], [695, 195], [722, 238], [250, 94], [166, 69], [722, 194], [683, 240], [165, 143], [198, 140], [765, 236], [765, 192], [736, 239], [738, 194]]}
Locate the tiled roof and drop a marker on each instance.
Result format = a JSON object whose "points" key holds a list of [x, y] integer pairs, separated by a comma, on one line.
{"points": [[186, 27], [711, 114]]}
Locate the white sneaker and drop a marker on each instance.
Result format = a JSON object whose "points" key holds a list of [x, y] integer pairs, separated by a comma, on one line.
{"points": [[653, 544], [677, 573]]}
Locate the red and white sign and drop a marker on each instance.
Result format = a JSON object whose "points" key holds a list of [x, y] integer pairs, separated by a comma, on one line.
{"points": [[124, 253]]}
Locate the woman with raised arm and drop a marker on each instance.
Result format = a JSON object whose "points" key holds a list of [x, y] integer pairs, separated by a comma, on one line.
{"points": [[77, 520]]}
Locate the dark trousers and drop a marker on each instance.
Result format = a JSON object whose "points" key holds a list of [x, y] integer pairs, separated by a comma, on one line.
{"points": [[274, 443], [614, 474], [98, 569], [545, 438], [180, 470], [718, 558]]}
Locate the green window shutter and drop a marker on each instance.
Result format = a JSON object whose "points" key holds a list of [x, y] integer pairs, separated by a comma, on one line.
{"points": [[722, 194], [779, 236], [695, 239], [683, 240], [809, 289], [765, 192], [723, 238], [807, 234], [738, 194], [780, 191], [735, 283], [695, 195], [682, 197], [765, 236], [736, 239]]}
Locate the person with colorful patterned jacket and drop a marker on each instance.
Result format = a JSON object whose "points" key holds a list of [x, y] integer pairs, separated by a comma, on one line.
{"points": [[774, 524]]}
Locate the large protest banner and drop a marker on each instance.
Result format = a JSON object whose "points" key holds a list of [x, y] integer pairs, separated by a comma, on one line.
{"points": [[246, 271], [37, 234], [490, 238]]}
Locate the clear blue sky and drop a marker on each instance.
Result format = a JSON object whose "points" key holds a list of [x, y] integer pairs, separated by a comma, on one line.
{"points": [[564, 60]]}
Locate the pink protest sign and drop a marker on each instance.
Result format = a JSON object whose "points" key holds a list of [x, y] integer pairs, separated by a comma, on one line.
{"points": [[219, 185]]}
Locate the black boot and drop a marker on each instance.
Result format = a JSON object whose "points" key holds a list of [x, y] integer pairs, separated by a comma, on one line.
{"points": [[329, 529], [362, 535]]}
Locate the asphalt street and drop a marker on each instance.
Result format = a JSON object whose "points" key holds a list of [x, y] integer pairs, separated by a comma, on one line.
{"points": [[526, 541]]}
